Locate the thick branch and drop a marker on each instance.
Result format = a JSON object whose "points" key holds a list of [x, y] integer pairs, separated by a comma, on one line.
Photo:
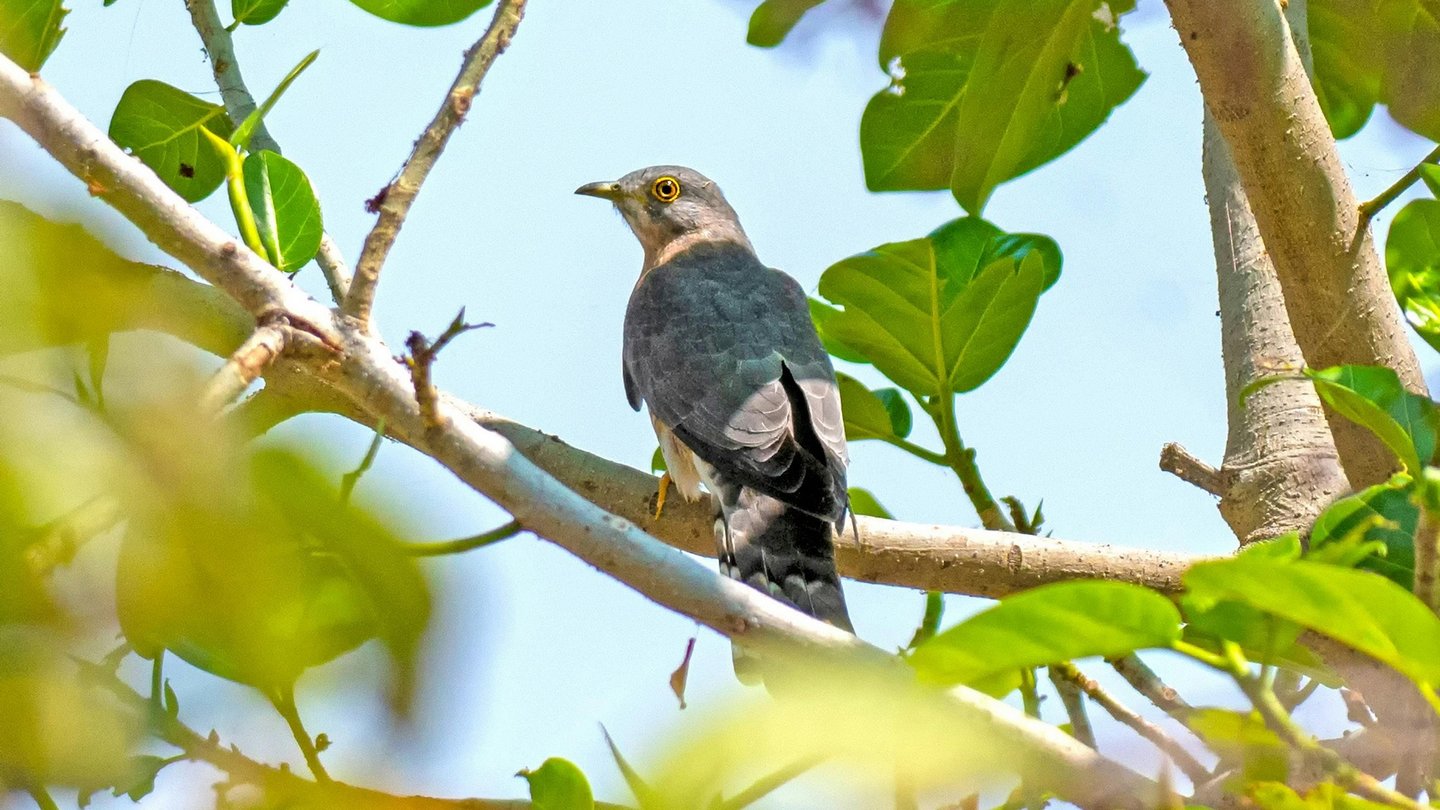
{"points": [[239, 103], [1339, 301], [395, 200], [368, 375], [1281, 467]]}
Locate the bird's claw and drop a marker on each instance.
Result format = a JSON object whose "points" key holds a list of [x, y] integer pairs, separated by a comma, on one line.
{"points": [[660, 497]]}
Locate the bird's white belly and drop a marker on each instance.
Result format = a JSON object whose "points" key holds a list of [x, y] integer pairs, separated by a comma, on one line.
{"points": [[687, 471]]}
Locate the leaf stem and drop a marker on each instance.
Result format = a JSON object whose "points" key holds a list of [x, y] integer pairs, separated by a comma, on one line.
{"points": [[922, 453], [157, 683], [464, 544], [961, 460], [1372, 207], [283, 699], [239, 200], [42, 797]]}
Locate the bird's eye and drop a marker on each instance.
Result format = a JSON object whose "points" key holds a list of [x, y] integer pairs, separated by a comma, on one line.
{"points": [[665, 189]]}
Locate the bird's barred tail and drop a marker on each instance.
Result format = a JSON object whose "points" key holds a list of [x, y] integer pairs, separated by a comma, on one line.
{"points": [[785, 553]]}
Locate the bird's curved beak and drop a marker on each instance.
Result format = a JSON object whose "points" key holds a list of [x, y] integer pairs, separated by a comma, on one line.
{"points": [[608, 190]]}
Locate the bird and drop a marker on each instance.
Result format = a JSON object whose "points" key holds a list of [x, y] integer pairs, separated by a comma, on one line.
{"points": [[721, 350]]}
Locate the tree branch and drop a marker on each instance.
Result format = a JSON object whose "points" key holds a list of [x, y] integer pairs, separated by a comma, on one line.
{"points": [[394, 200], [1338, 297], [245, 366], [364, 370], [239, 103]]}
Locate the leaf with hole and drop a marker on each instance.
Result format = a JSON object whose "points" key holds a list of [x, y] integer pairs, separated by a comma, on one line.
{"points": [[286, 211], [162, 125], [983, 92], [1057, 622]]}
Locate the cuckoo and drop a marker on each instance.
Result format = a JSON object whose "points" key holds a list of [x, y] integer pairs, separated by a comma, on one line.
{"points": [[742, 396]]}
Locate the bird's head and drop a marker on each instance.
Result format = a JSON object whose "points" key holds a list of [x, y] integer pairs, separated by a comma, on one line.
{"points": [[670, 208]]}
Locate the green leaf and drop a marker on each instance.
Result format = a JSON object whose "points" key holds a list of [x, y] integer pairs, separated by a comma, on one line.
{"points": [[820, 314], [1412, 260], [161, 125], [1373, 397], [30, 30], [1242, 740], [984, 92], [657, 461], [251, 569], [243, 133], [558, 785], [256, 12], [773, 20], [1385, 514], [901, 420], [1050, 623], [1409, 44], [864, 502], [1358, 608], [867, 416], [928, 321], [1347, 63], [286, 211], [422, 12]]}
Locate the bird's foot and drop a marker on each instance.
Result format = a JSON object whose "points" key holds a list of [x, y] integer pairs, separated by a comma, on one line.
{"points": [[660, 497]]}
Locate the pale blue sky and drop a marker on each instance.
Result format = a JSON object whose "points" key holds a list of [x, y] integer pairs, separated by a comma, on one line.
{"points": [[531, 649]]}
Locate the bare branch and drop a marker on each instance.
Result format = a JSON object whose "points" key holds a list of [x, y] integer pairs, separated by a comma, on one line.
{"points": [[394, 201], [61, 538], [1067, 686], [1183, 760], [1144, 680], [239, 103], [245, 365], [1178, 461]]}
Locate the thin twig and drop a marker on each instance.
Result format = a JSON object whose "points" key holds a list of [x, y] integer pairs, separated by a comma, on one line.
{"points": [[1188, 765], [244, 366], [1144, 680], [1370, 208], [1178, 461], [421, 360], [1067, 683], [284, 702], [239, 103], [465, 543], [395, 200], [350, 479], [284, 786]]}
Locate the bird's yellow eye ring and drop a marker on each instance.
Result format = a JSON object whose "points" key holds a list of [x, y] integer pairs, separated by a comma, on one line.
{"points": [[665, 189]]}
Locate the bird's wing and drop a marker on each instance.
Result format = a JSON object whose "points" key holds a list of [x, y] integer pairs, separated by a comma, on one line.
{"points": [[723, 351]]}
